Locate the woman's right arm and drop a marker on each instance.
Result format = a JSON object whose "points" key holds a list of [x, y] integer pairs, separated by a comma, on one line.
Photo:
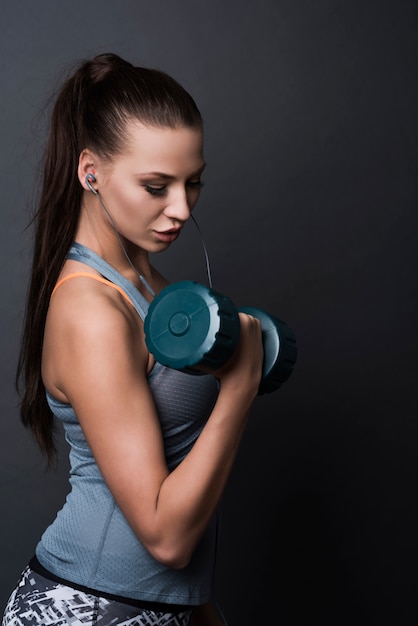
{"points": [[95, 358]]}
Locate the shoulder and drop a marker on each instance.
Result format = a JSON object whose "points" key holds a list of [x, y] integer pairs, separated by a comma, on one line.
{"points": [[90, 326], [87, 301]]}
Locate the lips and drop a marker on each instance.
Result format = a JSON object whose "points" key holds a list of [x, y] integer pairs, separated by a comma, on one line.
{"points": [[168, 235]]}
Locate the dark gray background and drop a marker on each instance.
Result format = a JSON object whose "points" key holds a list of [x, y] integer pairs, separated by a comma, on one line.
{"points": [[310, 212]]}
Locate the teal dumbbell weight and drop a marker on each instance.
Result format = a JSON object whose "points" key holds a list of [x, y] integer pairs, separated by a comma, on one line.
{"points": [[195, 329]]}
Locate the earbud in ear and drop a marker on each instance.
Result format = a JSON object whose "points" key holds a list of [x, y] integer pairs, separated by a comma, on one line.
{"points": [[90, 178]]}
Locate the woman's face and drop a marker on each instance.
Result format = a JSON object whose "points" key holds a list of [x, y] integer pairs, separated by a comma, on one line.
{"points": [[151, 189]]}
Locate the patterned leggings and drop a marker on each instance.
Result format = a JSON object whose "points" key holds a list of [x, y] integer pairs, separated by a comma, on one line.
{"points": [[37, 601]]}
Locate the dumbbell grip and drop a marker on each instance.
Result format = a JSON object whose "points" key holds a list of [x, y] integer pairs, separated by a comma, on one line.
{"points": [[279, 345]]}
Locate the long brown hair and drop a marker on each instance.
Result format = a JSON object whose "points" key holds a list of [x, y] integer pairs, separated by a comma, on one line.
{"points": [[92, 110]]}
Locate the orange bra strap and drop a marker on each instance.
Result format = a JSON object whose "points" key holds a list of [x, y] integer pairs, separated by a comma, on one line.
{"points": [[100, 279]]}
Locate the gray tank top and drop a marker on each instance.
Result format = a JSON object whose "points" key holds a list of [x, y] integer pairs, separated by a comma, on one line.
{"points": [[90, 542]]}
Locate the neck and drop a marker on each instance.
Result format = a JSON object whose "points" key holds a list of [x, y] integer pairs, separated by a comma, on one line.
{"points": [[130, 261]]}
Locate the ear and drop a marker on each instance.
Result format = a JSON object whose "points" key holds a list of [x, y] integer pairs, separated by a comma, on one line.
{"points": [[86, 165]]}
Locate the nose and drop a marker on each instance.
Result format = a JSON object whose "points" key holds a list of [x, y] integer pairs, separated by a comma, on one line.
{"points": [[179, 208]]}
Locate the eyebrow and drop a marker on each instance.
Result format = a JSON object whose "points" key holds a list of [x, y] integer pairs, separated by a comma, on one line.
{"points": [[169, 176]]}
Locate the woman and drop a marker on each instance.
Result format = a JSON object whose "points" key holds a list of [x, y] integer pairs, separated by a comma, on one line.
{"points": [[151, 448]]}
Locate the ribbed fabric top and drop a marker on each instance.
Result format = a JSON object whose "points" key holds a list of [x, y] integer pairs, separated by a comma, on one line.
{"points": [[90, 542]]}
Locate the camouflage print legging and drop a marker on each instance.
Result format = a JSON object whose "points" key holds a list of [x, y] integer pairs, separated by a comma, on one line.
{"points": [[37, 601]]}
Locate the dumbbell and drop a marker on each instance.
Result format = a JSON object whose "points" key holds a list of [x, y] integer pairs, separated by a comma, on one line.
{"points": [[195, 329]]}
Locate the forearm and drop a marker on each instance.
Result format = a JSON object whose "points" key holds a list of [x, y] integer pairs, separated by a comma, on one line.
{"points": [[189, 495]]}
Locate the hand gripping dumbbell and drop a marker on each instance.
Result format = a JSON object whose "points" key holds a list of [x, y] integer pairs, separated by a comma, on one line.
{"points": [[195, 329]]}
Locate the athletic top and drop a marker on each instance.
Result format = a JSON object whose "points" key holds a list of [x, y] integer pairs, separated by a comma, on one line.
{"points": [[90, 542]]}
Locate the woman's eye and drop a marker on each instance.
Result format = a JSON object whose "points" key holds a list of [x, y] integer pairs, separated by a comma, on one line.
{"points": [[195, 184], [155, 191], [161, 190]]}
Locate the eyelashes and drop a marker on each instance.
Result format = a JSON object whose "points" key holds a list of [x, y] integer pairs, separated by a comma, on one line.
{"points": [[195, 184], [155, 190]]}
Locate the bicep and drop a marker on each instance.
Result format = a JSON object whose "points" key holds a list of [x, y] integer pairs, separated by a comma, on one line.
{"points": [[104, 379]]}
